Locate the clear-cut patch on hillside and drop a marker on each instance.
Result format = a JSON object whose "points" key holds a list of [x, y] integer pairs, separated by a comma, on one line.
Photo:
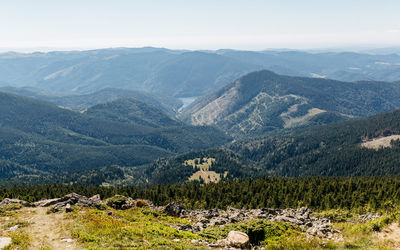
{"points": [[204, 174], [293, 121], [381, 142]]}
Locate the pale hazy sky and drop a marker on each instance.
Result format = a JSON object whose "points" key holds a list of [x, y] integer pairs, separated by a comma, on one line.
{"points": [[202, 24]]}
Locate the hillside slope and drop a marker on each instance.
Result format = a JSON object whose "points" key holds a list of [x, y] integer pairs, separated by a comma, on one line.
{"points": [[133, 112], [337, 149], [41, 138], [82, 102], [330, 150], [263, 101]]}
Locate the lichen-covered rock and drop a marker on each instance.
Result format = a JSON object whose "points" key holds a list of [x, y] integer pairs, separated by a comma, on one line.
{"points": [[120, 202]]}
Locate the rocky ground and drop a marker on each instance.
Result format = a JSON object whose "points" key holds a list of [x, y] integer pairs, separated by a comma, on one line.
{"points": [[318, 227]]}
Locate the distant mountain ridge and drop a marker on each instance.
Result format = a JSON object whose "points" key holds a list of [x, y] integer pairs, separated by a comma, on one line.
{"points": [[181, 73], [82, 102], [263, 101]]}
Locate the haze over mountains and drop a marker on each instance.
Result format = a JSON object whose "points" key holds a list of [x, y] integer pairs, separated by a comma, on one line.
{"points": [[117, 115], [181, 73]]}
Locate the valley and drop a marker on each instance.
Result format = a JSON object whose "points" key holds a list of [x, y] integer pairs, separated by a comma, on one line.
{"points": [[259, 125], [252, 154]]}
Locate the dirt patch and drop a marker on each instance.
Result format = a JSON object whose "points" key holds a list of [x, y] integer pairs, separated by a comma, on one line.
{"points": [[381, 142], [49, 231], [391, 236]]}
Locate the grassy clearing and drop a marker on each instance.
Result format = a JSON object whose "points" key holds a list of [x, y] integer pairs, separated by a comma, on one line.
{"points": [[206, 176], [133, 228], [381, 142], [366, 235], [203, 164]]}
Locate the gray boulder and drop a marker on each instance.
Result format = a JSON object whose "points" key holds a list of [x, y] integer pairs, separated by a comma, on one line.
{"points": [[235, 239]]}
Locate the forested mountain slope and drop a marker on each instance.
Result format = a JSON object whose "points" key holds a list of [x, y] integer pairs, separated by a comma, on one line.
{"points": [[134, 112], [339, 149], [330, 150], [82, 102], [39, 138], [262, 101]]}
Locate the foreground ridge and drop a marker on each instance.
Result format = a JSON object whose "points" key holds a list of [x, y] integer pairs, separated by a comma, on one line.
{"points": [[71, 221]]}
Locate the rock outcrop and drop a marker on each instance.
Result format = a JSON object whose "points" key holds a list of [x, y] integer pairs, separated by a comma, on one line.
{"points": [[7, 201], [69, 200]]}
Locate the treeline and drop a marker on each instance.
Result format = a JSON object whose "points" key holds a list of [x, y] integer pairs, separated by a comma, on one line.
{"points": [[370, 193]]}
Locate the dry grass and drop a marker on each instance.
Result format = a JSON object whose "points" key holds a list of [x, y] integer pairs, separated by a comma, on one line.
{"points": [[206, 176], [204, 173], [203, 164], [381, 142], [293, 121], [391, 235]]}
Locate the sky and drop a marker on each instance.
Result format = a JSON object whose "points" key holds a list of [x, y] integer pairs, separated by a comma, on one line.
{"points": [[204, 24]]}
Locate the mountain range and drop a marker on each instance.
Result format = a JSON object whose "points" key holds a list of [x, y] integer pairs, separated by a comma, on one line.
{"points": [[131, 125], [180, 73]]}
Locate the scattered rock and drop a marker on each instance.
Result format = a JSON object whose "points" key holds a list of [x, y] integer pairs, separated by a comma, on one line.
{"points": [[175, 209], [67, 240], [7, 201], [368, 217], [4, 242], [13, 228], [288, 219], [68, 208], [202, 219]]}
